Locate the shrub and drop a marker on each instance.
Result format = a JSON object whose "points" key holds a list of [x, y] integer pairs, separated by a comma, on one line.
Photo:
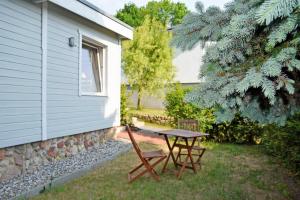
{"points": [[177, 108], [124, 106], [240, 130], [284, 142]]}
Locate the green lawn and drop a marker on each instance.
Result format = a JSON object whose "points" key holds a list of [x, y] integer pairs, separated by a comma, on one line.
{"points": [[229, 172]]}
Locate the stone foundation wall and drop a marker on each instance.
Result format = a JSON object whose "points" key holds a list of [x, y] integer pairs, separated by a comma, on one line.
{"points": [[156, 119], [27, 157]]}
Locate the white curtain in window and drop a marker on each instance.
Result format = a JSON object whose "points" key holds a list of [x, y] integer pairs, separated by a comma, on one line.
{"points": [[90, 76], [95, 65]]}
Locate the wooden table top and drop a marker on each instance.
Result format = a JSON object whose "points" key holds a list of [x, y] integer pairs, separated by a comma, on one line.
{"points": [[182, 133]]}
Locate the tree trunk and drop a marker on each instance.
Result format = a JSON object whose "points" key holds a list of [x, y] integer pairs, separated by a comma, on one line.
{"points": [[139, 103]]}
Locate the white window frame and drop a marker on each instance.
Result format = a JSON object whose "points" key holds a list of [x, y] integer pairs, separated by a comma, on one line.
{"points": [[84, 36]]}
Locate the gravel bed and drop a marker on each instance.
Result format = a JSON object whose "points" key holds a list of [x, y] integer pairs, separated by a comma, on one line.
{"points": [[47, 173]]}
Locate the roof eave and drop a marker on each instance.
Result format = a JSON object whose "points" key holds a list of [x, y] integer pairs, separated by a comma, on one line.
{"points": [[96, 15]]}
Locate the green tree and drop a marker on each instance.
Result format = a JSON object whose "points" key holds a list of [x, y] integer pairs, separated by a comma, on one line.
{"points": [[252, 67], [147, 59], [131, 15], [165, 11]]}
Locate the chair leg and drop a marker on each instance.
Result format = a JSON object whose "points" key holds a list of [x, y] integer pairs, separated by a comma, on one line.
{"points": [[133, 178], [201, 152], [149, 168], [190, 154], [178, 155], [155, 172], [170, 153], [182, 167], [138, 167]]}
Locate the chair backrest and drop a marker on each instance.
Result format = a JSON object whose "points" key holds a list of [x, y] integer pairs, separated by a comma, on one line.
{"points": [[188, 124], [135, 145]]}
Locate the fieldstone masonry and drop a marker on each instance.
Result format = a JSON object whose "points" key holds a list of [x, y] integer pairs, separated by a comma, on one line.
{"points": [[156, 119], [27, 157]]}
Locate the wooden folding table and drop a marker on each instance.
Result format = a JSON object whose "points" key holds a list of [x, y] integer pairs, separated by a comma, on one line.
{"points": [[185, 135]]}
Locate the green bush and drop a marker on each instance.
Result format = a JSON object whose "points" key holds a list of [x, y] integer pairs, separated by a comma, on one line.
{"points": [[124, 106], [177, 108], [284, 142], [240, 130]]}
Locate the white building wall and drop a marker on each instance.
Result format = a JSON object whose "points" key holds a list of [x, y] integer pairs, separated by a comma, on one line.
{"points": [[68, 112], [20, 72], [21, 75], [188, 64]]}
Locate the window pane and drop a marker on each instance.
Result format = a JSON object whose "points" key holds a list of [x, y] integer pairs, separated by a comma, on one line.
{"points": [[90, 81]]}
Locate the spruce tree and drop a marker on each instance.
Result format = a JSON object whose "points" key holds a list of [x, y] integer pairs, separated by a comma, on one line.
{"points": [[252, 65]]}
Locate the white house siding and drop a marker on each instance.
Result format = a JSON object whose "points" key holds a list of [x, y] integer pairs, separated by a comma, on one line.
{"points": [[67, 112], [20, 72]]}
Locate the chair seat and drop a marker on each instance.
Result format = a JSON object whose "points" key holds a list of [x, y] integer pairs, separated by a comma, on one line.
{"points": [[183, 146], [154, 154]]}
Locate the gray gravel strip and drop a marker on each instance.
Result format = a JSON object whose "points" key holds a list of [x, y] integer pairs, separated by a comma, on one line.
{"points": [[61, 170]]}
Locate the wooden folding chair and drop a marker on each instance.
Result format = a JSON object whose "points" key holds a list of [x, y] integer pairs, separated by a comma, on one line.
{"points": [[197, 150], [145, 157]]}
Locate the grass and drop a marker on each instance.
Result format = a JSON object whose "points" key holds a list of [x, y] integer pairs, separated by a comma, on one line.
{"points": [[229, 172], [147, 111]]}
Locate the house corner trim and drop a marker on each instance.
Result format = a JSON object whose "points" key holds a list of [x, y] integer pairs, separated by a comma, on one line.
{"points": [[44, 69]]}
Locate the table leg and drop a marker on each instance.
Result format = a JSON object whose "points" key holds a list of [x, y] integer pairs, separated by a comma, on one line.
{"points": [[182, 167], [178, 155], [170, 153], [189, 149], [190, 153]]}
